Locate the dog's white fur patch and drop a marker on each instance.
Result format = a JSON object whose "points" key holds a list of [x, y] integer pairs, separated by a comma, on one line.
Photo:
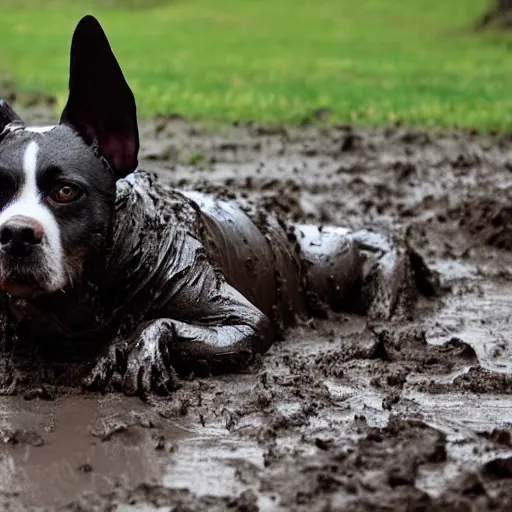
{"points": [[29, 204]]}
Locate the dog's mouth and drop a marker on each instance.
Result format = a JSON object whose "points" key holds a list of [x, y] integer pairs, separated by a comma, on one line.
{"points": [[26, 281], [24, 284], [41, 273]]}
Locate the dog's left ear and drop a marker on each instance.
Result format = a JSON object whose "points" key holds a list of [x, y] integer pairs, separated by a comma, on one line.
{"points": [[101, 106]]}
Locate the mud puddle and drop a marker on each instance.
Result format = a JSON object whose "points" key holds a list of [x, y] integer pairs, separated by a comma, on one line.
{"points": [[343, 415], [75, 445]]}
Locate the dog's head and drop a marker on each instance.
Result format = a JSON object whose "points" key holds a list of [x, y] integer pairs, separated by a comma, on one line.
{"points": [[57, 186]]}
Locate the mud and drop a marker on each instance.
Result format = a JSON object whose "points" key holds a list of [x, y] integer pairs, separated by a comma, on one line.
{"points": [[344, 414]]}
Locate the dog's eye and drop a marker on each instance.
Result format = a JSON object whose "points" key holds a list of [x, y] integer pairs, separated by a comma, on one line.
{"points": [[65, 194]]}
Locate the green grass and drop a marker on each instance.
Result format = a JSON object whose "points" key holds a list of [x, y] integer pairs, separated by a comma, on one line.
{"points": [[368, 61]]}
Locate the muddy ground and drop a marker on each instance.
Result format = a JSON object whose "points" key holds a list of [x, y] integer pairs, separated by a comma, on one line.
{"points": [[343, 415]]}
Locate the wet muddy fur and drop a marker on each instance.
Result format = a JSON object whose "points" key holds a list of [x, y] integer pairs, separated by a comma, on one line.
{"points": [[191, 260]]}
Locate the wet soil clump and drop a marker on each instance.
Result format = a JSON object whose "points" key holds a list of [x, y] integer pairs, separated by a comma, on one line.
{"points": [[344, 414]]}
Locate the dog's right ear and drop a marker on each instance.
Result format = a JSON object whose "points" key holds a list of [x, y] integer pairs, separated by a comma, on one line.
{"points": [[8, 118], [101, 106]]}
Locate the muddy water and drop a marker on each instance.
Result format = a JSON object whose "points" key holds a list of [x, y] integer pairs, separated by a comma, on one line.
{"points": [[342, 415], [56, 450], [54, 446]]}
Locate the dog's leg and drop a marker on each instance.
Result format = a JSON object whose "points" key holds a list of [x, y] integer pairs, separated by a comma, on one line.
{"points": [[393, 275], [164, 342], [333, 265], [207, 325], [146, 362], [363, 271]]}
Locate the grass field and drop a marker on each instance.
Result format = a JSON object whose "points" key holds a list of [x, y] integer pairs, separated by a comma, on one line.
{"points": [[367, 61]]}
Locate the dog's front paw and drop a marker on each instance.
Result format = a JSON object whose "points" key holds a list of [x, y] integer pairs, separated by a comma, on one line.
{"points": [[148, 367], [138, 365], [107, 372]]}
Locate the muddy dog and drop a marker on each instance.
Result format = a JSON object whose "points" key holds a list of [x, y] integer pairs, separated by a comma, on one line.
{"points": [[96, 253]]}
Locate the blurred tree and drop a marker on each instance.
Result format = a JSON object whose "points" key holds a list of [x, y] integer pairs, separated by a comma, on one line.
{"points": [[500, 14]]}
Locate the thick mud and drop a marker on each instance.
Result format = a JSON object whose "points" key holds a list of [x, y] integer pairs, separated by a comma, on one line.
{"points": [[343, 414]]}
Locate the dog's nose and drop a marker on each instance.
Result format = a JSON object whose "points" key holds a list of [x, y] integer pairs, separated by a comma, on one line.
{"points": [[19, 235]]}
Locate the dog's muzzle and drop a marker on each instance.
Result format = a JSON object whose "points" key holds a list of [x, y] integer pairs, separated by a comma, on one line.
{"points": [[20, 236], [24, 270]]}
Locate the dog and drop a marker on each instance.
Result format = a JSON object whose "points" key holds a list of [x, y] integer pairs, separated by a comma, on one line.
{"points": [[99, 258]]}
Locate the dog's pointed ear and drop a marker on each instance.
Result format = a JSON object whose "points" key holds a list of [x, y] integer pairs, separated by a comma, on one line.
{"points": [[8, 116], [101, 106]]}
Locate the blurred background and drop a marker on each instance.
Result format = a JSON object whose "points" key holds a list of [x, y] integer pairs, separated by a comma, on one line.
{"points": [[422, 62]]}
